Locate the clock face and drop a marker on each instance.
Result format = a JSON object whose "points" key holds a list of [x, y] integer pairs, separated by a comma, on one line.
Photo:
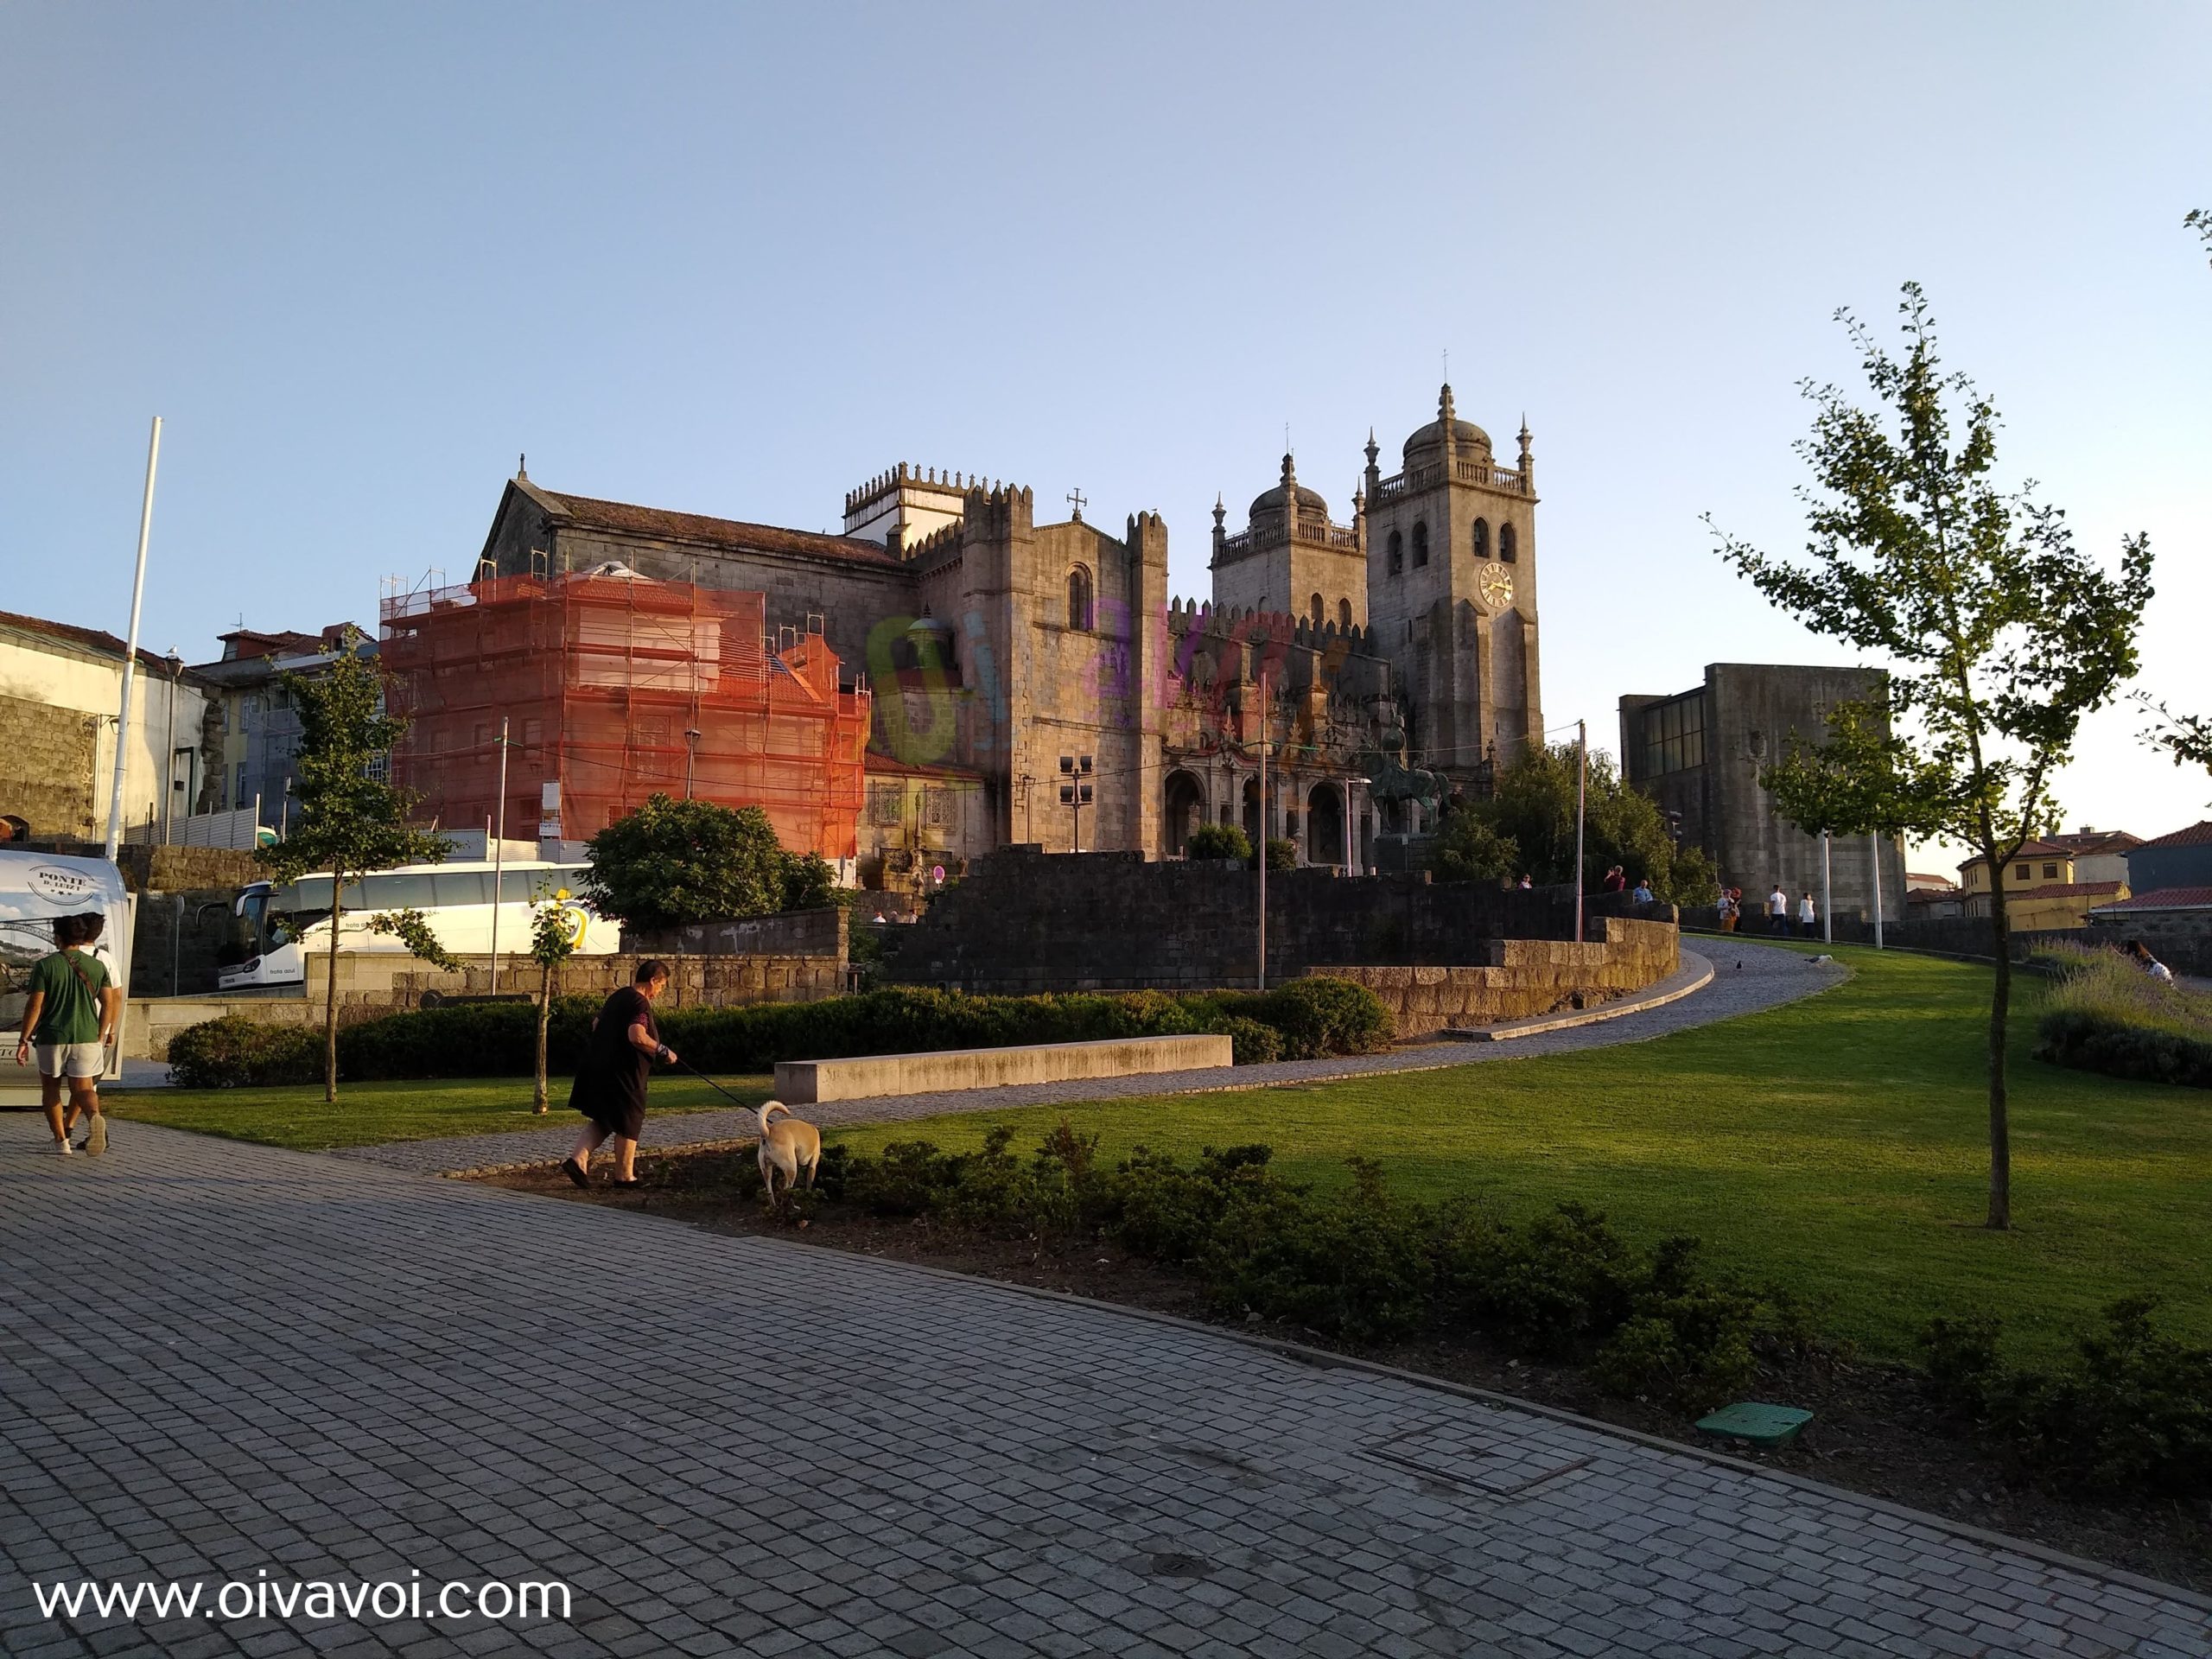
{"points": [[1495, 582]]}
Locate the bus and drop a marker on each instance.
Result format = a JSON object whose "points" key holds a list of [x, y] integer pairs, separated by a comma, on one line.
{"points": [[276, 925]]}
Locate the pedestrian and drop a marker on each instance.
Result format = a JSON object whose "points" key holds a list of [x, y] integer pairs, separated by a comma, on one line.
{"points": [[1777, 912], [1614, 881], [68, 1021], [610, 1086], [1730, 900], [2148, 964], [1643, 895], [1525, 883], [1808, 915]]}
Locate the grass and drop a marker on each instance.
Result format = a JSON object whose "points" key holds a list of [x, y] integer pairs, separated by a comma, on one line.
{"points": [[368, 1113], [1838, 1145]]}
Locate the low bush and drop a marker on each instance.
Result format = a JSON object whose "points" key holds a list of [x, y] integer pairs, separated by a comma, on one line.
{"points": [[1361, 1265], [2104, 1014], [1304, 1019], [235, 1052], [1218, 841], [2133, 1419]]}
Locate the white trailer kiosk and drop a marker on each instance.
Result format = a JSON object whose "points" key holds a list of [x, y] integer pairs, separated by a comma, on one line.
{"points": [[35, 890]]}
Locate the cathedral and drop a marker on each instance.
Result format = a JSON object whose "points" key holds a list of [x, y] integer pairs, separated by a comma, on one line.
{"points": [[1039, 682]]}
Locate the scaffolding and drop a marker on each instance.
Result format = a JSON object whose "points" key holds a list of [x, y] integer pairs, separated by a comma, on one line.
{"points": [[615, 688]]}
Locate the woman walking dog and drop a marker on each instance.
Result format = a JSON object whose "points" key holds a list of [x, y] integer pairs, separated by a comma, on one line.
{"points": [[610, 1087]]}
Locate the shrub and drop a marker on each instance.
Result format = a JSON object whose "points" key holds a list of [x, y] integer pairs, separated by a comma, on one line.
{"points": [[1340, 1265], [1322, 1016], [1218, 841], [2133, 1420], [2103, 1013], [1548, 1285], [1159, 1209], [1251, 1043], [1282, 853], [236, 1052]]}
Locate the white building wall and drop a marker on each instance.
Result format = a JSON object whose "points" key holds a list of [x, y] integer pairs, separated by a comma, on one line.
{"points": [[63, 678]]}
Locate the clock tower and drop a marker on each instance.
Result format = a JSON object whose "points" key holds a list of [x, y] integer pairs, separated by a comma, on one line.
{"points": [[1451, 592]]}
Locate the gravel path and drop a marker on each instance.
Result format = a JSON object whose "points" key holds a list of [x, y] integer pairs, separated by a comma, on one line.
{"points": [[1746, 978]]}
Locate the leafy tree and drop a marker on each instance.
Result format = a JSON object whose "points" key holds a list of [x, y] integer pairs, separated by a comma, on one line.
{"points": [[1532, 811], [810, 881], [350, 821], [1282, 853], [674, 861], [2187, 737], [412, 929], [1218, 841], [1470, 848], [2001, 634], [553, 934]]}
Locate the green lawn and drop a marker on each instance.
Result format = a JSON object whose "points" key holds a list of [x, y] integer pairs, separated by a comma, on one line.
{"points": [[369, 1113], [1838, 1145]]}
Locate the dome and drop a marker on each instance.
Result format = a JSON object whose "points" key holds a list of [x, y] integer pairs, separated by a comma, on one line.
{"points": [[1271, 501], [1465, 435]]}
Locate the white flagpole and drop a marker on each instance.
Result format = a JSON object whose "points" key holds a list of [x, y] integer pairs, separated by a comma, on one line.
{"points": [[130, 650]]}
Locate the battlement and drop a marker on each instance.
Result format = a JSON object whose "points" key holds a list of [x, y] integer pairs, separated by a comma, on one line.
{"points": [[907, 476], [1187, 616]]}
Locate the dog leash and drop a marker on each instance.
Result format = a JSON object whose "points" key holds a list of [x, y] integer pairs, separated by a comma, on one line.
{"points": [[712, 1085]]}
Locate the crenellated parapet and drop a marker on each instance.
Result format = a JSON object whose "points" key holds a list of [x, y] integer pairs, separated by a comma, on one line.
{"points": [[888, 483], [1187, 616]]}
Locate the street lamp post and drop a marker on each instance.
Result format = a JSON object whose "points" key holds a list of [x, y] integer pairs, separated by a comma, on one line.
{"points": [[1075, 792]]}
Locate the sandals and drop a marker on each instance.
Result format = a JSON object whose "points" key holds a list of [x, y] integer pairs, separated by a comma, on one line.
{"points": [[576, 1172]]}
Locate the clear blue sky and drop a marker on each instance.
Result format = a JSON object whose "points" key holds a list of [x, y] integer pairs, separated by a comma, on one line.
{"points": [[732, 260]]}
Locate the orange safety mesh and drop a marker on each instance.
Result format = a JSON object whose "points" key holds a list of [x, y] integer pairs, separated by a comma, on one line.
{"points": [[616, 687]]}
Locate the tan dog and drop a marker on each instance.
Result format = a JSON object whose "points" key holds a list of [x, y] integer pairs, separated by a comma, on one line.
{"points": [[786, 1147]]}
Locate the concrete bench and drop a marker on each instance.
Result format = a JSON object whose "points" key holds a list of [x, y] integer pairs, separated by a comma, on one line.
{"points": [[805, 1082]]}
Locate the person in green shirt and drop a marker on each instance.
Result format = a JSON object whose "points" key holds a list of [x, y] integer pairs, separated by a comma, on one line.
{"points": [[69, 1021]]}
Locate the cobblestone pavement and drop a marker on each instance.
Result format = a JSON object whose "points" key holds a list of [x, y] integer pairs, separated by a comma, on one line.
{"points": [[1746, 978], [220, 1358]]}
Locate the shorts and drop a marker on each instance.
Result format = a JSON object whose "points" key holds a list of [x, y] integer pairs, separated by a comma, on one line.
{"points": [[71, 1060]]}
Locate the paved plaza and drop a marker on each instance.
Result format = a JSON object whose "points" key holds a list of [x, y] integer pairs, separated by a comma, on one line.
{"points": [[220, 1360]]}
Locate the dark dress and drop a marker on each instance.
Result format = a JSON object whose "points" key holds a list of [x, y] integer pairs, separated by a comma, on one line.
{"points": [[610, 1087]]}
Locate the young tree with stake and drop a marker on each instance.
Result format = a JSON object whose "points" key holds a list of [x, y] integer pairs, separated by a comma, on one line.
{"points": [[2001, 634], [349, 822], [552, 941]]}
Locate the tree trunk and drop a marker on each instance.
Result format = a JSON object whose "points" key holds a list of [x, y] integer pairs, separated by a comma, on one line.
{"points": [[2000, 1003], [330, 998], [545, 1013]]}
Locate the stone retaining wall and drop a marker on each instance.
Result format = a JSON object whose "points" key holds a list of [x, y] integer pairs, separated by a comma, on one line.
{"points": [[1522, 978]]}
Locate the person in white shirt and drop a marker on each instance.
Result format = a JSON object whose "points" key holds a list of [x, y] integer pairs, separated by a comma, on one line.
{"points": [[1808, 916], [2148, 964], [1777, 910]]}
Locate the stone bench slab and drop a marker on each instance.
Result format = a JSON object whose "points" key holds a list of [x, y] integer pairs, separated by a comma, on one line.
{"points": [[805, 1083]]}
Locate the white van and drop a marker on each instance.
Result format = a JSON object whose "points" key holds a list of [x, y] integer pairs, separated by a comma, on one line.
{"points": [[35, 889]]}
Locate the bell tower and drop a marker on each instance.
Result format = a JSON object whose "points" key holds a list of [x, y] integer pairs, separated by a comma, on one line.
{"points": [[1452, 590]]}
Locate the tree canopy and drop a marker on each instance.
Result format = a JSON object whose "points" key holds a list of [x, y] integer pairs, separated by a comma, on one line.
{"points": [[673, 861]]}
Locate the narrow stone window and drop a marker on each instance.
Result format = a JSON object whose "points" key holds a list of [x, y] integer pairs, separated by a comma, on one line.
{"points": [[1420, 545], [1318, 609], [1080, 610], [1396, 564], [1508, 547], [1343, 615], [1482, 540]]}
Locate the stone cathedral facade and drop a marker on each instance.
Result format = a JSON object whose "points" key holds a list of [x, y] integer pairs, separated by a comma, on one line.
{"points": [[1383, 663]]}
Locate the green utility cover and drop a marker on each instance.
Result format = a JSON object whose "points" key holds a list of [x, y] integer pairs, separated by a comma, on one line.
{"points": [[1761, 1424]]}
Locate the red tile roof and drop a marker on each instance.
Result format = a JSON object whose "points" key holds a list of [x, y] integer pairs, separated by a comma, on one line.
{"points": [[2087, 841], [730, 533], [2164, 898], [2067, 890], [878, 765], [2197, 834], [89, 638]]}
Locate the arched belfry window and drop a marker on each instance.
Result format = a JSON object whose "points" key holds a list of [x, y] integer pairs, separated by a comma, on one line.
{"points": [[1344, 614], [1080, 610], [1507, 549], [1420, 545], [1397, 566], [1318, 610], [1482, 538]]}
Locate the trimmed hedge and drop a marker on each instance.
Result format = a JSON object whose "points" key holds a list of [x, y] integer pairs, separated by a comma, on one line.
{"points": [[1304, 1019], [235, 1051], [2104, 1014]]}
